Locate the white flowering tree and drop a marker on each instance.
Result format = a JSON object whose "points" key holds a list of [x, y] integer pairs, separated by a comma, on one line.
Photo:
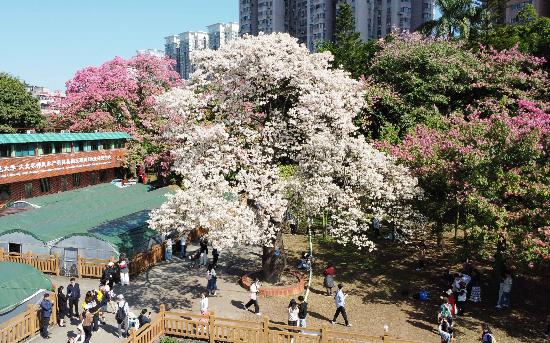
{"points": [[265, 104]]}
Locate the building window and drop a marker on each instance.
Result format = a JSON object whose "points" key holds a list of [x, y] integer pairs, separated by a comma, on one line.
{"points": [[5, 192], [66, 148], [5, 150], [93, 178], [22, 150], [103, 176], [44, 185], [107, 145], [63, 183], [45, 149], [78, 146], [93, 145], [58, 147], [76, 180], [28, 190]]}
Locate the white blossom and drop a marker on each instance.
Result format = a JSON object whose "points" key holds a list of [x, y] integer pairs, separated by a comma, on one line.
{"points": [[264, 102]]}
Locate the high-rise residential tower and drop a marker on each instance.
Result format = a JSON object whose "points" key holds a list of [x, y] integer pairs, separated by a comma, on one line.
{"points": [[172, 50], [513, 7], [220, 34], [312, 21], [189, 42]]}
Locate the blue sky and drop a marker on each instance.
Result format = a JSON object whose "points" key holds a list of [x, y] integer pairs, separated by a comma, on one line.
{"points": [[44, 42]]}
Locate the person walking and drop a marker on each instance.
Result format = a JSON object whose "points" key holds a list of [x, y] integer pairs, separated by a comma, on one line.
{"points": [[73, 296], [211, 280], [204, 304], [487, 335], [108, 275], [183, 246], [504, 291], [203, 259], [215, 256], [87, 323], [340, 300], [168, 250], [461, 299], [46, 307], [328, 282], [254, 290], [121, 316], [475, 293], [124, 267], [376, 227], [293, 311], [62, 309], [302, 314], [445, 331]]}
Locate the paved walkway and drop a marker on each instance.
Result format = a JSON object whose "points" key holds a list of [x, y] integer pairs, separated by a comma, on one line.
{"points": [[175, 285]]}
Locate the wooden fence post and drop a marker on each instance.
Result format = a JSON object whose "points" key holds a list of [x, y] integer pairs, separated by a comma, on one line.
{"points": [[211, 328], [265, 329], [57, 264], [79, 266], [324, 334], [1, 254], [132, 335], [162, 314], [32, 319], [386, 338], [29, 257]]}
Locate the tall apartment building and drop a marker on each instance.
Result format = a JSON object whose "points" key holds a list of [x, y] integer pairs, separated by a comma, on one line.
{"points": [[220, 34], [312, 21], [179, 47], [172, 49], [189, 42], [151, 52], [513, 7]]}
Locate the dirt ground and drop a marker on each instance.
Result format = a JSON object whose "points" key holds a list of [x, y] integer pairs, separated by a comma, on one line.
{"points": [[378, 284]]}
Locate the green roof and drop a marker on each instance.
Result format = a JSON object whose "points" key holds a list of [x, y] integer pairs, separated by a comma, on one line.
{"points": [[116, 215], [19, 282], [18, 138]]}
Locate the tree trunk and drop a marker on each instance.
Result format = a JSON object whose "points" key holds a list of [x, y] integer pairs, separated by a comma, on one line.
{"points": [[274, 259], [439, 234]]}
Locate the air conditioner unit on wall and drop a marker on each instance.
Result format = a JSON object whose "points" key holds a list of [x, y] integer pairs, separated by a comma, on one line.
{"points": [[31, 131], [65, 131]]}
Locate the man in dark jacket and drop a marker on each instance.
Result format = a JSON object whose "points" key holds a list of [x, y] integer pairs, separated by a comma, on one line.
{"points": [[302, 312], [73, 295], [46, 307], [143, 318], [108, 275]]}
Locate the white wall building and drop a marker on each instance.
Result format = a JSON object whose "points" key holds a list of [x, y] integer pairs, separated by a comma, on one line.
{"points": [[189, 42], [152, 52], [220, 34]]}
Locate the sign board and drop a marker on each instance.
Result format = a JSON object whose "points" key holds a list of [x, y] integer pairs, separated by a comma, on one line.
{"points": [[16, 169]]}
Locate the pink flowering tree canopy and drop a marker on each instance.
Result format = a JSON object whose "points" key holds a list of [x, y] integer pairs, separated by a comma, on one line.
{"points": [[120, 95], [491, 174]]}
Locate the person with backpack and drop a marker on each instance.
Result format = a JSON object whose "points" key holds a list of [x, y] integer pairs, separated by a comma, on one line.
{"points": [[73, 296], [445, 331], [121, 316], [486, 335], [108, 275], [504, 291], [340, 300], [446, 311], [211, 280], [302, 314], [46, 307], [168, 250], [254, 290]]}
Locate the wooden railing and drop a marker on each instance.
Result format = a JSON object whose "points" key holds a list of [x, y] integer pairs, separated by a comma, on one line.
{"points": [[219, 329], [26, 324], [44, 263], [86, 267]]}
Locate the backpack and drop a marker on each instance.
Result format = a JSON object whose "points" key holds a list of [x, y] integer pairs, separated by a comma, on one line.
{"points": [[120, 313]]}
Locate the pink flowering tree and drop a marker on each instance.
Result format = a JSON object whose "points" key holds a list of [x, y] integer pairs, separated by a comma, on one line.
{"points": [[491, 175], [120, 95]]}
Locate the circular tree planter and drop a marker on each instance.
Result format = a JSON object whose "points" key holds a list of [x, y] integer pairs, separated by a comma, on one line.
{"points": [[294, 288]]}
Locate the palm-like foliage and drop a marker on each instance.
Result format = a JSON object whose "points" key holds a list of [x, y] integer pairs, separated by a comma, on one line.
{"points": [[457, 19]]}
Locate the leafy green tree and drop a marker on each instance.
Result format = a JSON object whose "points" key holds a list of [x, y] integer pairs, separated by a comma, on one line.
{"points": [[457, 18], [531, 34], [18, 108], [350, 52]]}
